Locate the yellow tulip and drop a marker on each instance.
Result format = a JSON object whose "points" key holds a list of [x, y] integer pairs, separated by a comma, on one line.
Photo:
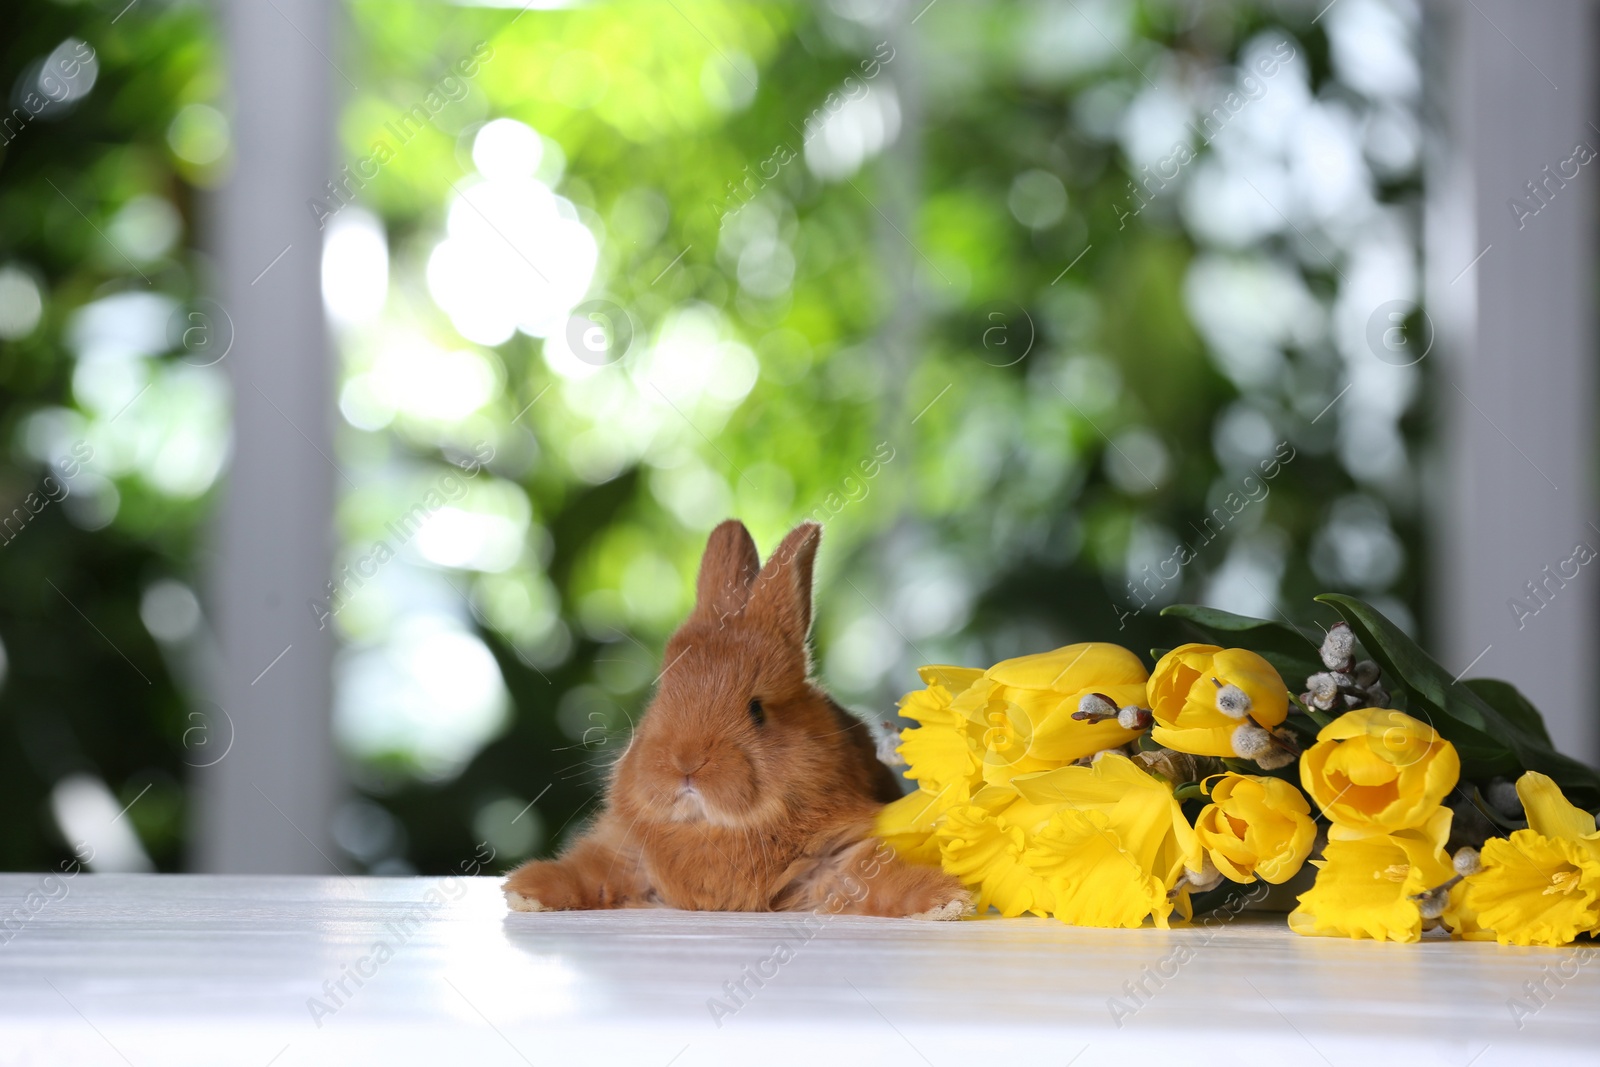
{"points": [[1255, 826], [1540, 886], [1023, 707], [1365, 887], [1376, 771], [1183, 692], [1016, 717]]}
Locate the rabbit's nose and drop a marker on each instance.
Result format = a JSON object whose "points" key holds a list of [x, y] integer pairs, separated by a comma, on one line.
{"points": [[689, 762]]}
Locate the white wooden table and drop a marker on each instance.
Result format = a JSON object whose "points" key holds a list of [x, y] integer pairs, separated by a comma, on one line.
{"points": [[151, 970]]}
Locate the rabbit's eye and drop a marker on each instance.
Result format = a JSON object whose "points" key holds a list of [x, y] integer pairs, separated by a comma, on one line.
{"points": [[758, 714]]}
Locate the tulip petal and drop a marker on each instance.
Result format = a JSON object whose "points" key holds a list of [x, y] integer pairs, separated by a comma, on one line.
{"points": [[1071, 669], [1269, 697], [1208, 741], [1176, 673], [1058, 736], [1362, 766]]}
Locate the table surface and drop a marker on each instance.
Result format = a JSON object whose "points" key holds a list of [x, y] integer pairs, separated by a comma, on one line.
{"points": [[172, 969]]}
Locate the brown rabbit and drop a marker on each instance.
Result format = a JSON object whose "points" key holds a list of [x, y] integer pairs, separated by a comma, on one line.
{"points": [[745, 787]]}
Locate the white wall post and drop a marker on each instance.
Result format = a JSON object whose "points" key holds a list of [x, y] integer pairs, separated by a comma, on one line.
{"points": [[1517, 333], [267, 806]]}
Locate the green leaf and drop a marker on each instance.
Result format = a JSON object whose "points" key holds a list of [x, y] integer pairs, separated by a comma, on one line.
{"points": [[1488, 742], [1488, 811], [1508, 701], [1291, 651]]}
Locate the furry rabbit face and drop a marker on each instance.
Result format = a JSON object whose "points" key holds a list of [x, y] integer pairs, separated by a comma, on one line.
{"points": [[734, 727]]}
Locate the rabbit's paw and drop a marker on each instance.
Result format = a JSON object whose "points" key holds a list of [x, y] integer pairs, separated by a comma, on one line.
{"points": [[543, 886], [955, 907], [517, 902]]}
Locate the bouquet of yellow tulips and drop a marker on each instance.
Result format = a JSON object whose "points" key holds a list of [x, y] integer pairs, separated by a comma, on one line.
{"points": [[1079, 785]]}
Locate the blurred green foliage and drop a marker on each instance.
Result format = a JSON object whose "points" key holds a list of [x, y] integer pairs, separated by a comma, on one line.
{"points": [[964, 306], [93, 204]]}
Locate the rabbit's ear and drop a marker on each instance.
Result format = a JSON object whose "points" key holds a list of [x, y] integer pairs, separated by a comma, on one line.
{"points": [[726, 571], [781, 597]]}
